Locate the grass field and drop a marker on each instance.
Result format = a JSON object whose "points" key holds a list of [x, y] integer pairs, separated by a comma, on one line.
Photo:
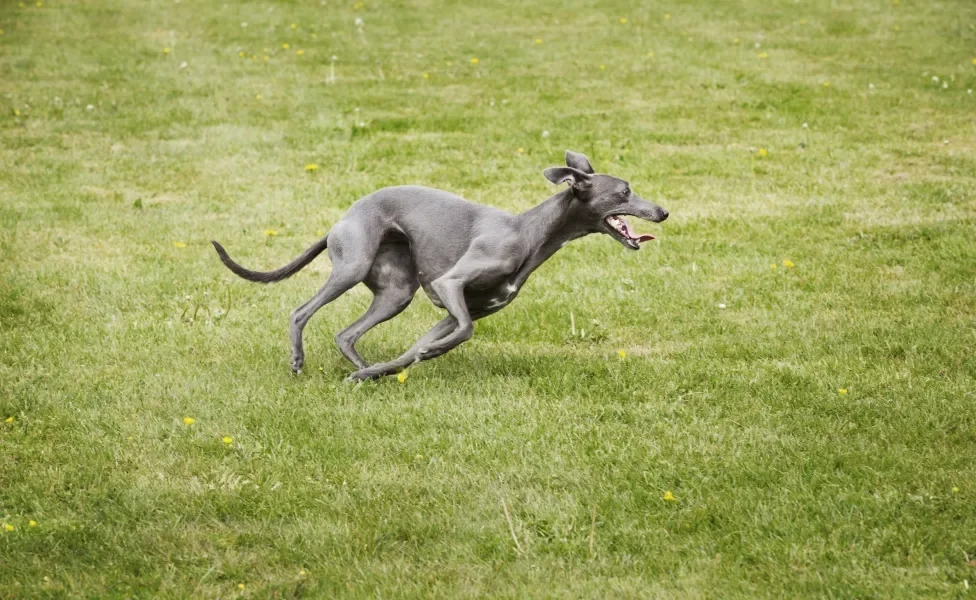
{"points": [[793, 416]]}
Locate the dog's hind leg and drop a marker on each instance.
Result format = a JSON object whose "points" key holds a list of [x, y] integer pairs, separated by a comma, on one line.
{"points": [[352, 251], [393, 281]]}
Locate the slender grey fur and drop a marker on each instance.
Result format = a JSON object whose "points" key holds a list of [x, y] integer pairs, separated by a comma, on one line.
{"points": [[470, 259]]}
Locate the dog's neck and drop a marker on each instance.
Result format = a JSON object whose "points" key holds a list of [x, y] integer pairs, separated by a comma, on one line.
{"points": [[547, 228]]}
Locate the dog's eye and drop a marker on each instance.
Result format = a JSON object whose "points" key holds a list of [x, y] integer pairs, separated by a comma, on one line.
{"points": [[625, 193]]}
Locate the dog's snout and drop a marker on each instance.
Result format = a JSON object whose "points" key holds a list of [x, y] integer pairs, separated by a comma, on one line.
{"points": [[664, 215]]}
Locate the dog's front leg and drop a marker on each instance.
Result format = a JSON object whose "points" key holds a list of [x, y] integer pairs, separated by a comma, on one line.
{"points": [[487, 260], [451, 293], [438, 332]]}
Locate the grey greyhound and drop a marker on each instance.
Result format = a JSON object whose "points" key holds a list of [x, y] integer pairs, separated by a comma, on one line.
{"points": [[469, 258]]}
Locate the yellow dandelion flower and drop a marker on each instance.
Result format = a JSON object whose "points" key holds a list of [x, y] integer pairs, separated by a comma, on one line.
{"points": [[300, 52], [286, 46], [357, 5], [266, 58], [402, 376], [8, 527], [302, 573], [189, 421], [257, 96], [475, 61], [763, 55], [603, 67], [669, 497], [955, 490], [9, 420], [622, 353], [974, 60], [842, 391], [667, 16], [736, 41], [826, 84], [803, 21], [895, 2], [270, 232], [39, 4], [650, 55], [521, 150], [426, 75], [241, 54], [166, 50], [623, 21], [1, 31], [315, 36], [16, 112], [772, 266], [227, 440], [32, 523], [788, 264], [538, 41], [240, 586], [179, 244], [254, 57], [294, 25], [762, 153], [311, 167]]}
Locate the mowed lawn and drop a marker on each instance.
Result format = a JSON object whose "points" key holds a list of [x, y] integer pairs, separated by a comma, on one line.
{"points": [[777, 398]]}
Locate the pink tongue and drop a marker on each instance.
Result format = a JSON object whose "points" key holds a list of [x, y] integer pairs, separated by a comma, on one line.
{"points": [[646, 237]]}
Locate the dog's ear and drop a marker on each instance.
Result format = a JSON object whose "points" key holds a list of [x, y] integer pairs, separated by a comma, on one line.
{"points": [[578, 162], [574, 177]]}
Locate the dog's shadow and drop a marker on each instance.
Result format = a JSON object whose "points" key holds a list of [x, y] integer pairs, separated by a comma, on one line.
{"points": [[562, 366]]}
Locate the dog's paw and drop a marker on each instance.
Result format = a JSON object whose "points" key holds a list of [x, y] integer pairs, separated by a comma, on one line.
{"points": [[297, 364], [364, 375]]}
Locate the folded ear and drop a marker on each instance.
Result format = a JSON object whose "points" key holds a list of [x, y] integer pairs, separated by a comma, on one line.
{"points": [[578, 162], [574, 177]]}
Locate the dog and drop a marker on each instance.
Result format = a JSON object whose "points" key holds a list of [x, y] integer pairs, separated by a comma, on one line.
{"points": [[470, 259]]}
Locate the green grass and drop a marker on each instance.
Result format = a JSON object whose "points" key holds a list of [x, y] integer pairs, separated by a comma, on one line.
{"points": [[110, 334]]}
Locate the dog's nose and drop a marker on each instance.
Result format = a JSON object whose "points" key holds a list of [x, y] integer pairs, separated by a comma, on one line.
{"points": [[664, 215]]}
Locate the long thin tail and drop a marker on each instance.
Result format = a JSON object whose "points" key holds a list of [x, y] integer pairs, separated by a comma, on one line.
{"points": [[278, 274]]}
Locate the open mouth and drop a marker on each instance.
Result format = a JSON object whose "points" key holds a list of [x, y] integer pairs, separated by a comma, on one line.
{"points": [[620, 227]]}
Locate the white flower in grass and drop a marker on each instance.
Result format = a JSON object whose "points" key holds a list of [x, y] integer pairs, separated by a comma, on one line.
{"points": [[183, 65], [722, 306], [243, 23], [90, 107], [359, 22], [805, 126], [945, 85], [935, 78], [545, 134]]}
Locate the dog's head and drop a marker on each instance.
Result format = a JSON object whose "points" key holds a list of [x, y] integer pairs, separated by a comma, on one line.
{"points": [[603, 200]]}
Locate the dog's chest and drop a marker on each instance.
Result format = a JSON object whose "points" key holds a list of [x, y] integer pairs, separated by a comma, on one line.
{"points": [[480, 300], [490, 299]]}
